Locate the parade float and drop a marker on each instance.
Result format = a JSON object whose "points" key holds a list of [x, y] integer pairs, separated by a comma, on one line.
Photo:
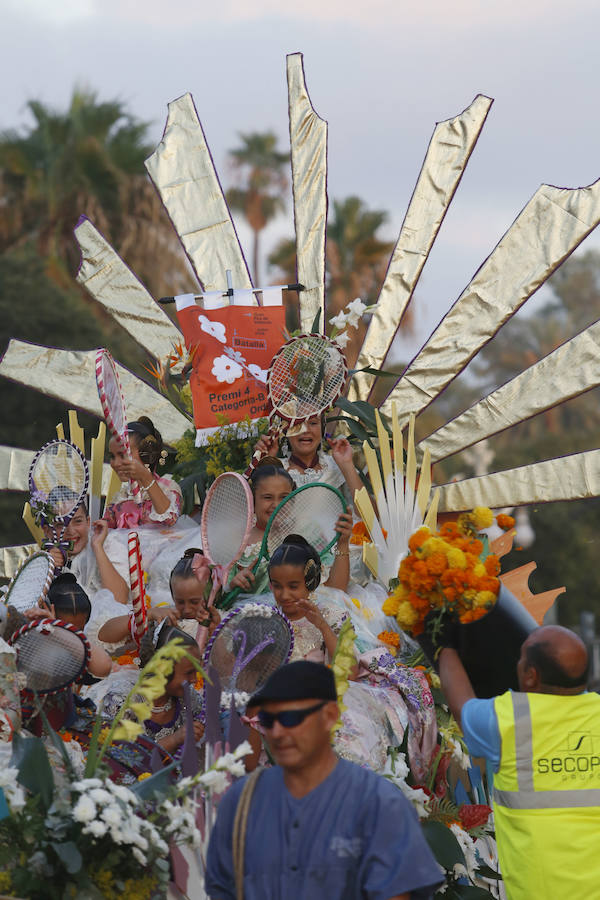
{"points": [[419, 541]]}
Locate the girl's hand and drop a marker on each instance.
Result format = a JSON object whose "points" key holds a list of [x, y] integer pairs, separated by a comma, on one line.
{"points": [[267, 445], [58, 557], [99, 532], [43, 611], [244, 580], [135, 470], [311, 611], [198, 731], [341, 450], [214, 618], [343, 526], [158, 613]]}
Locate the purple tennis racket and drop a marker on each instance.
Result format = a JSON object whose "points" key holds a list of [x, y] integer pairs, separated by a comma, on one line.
{"points": [[250, 643]]}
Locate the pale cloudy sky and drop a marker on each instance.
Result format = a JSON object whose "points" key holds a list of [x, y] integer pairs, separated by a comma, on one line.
{"points": [[381, 72]]}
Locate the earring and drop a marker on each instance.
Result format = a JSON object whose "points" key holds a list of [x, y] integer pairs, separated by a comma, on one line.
{"points": [[253, 519]]}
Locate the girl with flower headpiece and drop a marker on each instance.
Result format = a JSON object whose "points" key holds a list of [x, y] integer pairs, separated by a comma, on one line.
{"points": [[161, 497]]}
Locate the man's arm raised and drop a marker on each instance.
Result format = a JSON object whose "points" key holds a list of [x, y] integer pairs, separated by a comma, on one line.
{"points": [[455, 681]]}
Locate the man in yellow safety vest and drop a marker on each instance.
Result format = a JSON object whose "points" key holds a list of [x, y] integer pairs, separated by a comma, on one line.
{"points": [[543, 744]]}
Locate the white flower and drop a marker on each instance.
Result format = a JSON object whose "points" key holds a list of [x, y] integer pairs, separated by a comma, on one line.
{"points": [[214, 781], [112, 815], [139, 856], [339, 321], [122, 793], [100, 795], [96, 829], [215, 329], [243, 750], [341, 339], [459, 754], [356, 308], [467, 845], [14, 793], [86, 784], [225, 369], [84, 810], [259, 374]]}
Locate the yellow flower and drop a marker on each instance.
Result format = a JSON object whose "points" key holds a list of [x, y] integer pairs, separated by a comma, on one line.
{"points": [[479, 570], [141, 711], [390, 606], [470, 594], [482, 517], [127, 730], [434, 678], [485, 598], [456, 559], [406, 615], [143, 775], [356, 602]]}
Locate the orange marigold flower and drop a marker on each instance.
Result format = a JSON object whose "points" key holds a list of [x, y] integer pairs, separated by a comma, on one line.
{"points": [[492, 565], [436, 563], [417, 539], [390, 638], [199, 683], [126, 660], [505, 522], [67, 737], [359, 533]]}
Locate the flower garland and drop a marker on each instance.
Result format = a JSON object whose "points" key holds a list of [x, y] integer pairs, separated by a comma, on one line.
{"points": [[447, 572]]}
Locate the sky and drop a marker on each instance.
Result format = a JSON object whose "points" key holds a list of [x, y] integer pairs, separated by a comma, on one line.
{"points": [[381, 72]]}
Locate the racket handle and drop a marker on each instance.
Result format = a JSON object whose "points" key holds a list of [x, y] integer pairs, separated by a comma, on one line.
{"points": [[274, 433], [227, 600]]}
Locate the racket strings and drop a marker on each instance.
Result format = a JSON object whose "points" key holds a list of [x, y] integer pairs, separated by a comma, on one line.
{"points": [[50, 661], [30, 583], [242, 634], [311, 513], [306, 377], [59, 477], [114, 394], [225, 518]]}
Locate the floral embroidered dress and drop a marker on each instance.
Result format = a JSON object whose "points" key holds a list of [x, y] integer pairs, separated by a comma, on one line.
{"points": [[124, 512], [388, 698]]}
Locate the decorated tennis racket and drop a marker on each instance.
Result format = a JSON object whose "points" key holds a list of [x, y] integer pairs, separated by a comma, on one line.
{"points": [[58, 484], [51, 654], [136, 584], [250, 643], [112, 402], [31, 582], [225, 525], [311, 511], [307, 376]]}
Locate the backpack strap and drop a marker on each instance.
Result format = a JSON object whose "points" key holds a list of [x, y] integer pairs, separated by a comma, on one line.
{"points": [[240, 826]]}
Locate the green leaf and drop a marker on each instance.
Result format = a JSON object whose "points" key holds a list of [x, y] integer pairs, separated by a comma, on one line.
{"points": [[316, 325], [69, 856], [443, 844], [57, 742], [30, 758], [359, 408], [377, 372], [92, 753]]}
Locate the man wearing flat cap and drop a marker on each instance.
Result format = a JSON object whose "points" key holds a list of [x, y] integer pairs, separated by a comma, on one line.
{"points": [[314, 827]]}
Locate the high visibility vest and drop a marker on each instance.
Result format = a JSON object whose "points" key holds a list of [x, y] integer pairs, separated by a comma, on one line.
{"points": [[547, 796]]}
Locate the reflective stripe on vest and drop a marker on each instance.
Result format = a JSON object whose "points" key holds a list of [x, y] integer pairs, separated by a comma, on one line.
{"points": [[526, 797]]}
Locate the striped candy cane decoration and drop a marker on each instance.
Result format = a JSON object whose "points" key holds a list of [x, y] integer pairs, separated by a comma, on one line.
{"points": [[136, 583]]}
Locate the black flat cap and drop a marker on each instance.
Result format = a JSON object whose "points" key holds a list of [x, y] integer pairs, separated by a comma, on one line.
{"points": [[302, 680]]}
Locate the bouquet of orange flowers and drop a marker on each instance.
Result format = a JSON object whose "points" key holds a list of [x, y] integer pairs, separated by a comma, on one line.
{"points": [[447, 573]]}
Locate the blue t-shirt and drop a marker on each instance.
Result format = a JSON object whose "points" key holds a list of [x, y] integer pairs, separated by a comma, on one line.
{"points": [[353, 837], [479, 724]]}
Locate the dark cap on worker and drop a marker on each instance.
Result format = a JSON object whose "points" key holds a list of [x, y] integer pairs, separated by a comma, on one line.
{"points": [[302, 680]]}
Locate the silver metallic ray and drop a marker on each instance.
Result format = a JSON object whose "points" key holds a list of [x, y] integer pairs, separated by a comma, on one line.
{"points": [[568, 371], [546, 232], [71, 375], [575, 477], [14, 468], [447, 156], [308, 141], [183, 171], [12, 557], [104, 274]]}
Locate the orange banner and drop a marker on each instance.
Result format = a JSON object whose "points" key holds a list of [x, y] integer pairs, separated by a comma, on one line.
{"points": [[234, 348]]}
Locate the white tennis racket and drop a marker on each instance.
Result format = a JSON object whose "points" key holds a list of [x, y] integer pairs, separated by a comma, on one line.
{"points": [[58, 484], [112, 402], [306, 377], [31, 582], [51, 654], [225, 525], [249, 644], [311, 511]]}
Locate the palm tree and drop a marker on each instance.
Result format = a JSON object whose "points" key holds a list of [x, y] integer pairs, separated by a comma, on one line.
{"points": [[261, 182], [87, 160]]}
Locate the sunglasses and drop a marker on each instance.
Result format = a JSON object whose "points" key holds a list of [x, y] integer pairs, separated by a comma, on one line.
{"points": [[289, 718]]}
